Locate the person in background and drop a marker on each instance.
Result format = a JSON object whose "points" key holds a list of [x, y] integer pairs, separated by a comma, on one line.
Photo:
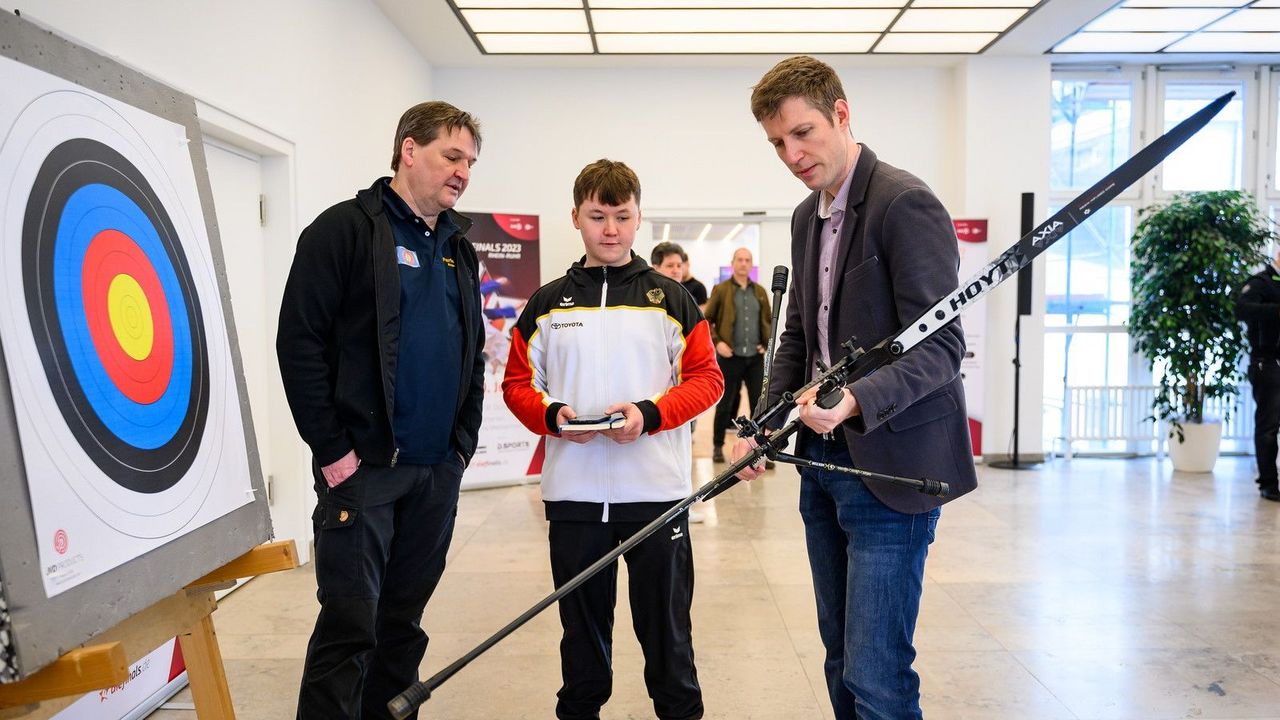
{"points": [[1258, 305], [693, 284], [668, 258], [740, 317]]}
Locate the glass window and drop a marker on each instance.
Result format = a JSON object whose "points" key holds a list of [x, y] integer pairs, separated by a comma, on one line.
{"points": [[1087, 272], [1214, 158], [1091, 131]]}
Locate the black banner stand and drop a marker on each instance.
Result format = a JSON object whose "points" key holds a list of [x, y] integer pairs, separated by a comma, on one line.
{"points": [[1024, 308]]}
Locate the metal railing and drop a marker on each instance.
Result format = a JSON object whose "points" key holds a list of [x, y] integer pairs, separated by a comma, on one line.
{"points": [[1122, 413]]}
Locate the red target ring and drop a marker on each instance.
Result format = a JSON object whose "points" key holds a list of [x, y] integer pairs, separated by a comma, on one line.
{"points": [[112, 256]]}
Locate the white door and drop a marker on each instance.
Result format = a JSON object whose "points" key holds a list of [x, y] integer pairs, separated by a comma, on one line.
{"points": [[235, 176]]}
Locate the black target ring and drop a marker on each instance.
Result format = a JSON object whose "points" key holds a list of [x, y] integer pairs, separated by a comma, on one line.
{"points": [[159, 442]]}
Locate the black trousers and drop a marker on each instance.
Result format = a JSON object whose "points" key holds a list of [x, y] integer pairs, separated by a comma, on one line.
{"points": [[737, 370], [660, 570], [381, 540], [1264, 375]]}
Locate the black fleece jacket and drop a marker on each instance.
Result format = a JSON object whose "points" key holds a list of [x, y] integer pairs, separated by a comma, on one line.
{"points": [[340, 329]]}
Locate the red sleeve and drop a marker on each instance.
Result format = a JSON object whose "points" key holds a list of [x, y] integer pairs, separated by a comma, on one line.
{"points": [[699, 383], [526, 401]]}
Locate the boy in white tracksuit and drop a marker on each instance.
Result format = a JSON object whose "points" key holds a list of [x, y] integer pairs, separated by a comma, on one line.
{"points": [[615, 336]]}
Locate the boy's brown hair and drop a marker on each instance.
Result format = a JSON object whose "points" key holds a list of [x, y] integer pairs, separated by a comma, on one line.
{"points": [[608, 181], [798, 76]]}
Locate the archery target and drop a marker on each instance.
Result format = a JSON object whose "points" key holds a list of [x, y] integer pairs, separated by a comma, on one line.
{"points": [[112, 329]]}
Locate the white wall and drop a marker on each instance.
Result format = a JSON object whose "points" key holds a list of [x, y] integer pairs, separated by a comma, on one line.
{"points": [[1004, 152], [687, 132], [331, 76]]}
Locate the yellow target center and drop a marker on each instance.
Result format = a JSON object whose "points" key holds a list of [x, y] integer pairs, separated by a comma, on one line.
{"points": [[130, 316]]}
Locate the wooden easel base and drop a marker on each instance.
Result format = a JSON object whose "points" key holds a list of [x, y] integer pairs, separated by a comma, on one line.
{"points": [[104, 661]]}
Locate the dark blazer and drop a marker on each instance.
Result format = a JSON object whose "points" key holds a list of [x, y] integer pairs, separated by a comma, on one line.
{"points": [[897, 256]]}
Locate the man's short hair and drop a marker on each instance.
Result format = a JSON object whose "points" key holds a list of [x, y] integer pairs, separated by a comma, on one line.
{"points": [[608, 181], [663, 249], [423, 123], [799, 76]]}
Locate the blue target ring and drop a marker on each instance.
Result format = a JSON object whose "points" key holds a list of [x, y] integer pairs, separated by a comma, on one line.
{"points": [[140, 421], [90, 209]]}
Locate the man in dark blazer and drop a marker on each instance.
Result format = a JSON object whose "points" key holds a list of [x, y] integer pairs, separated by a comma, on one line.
{"points": [[872, 249]]}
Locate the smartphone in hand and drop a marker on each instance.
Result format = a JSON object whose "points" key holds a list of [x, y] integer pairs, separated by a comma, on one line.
{"points": [[594, 422]]}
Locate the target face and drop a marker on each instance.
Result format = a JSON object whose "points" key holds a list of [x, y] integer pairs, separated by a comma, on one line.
{"points": [[112, 329], [110, 297]]}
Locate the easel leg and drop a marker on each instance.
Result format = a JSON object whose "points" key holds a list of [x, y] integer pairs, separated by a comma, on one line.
{"points": [[208, 679]]}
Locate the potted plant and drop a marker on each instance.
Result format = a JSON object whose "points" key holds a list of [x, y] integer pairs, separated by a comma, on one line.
{"points": [[1189, 258]]}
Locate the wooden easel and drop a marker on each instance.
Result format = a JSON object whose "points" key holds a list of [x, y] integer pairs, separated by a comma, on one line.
{"points": [[104, 660]]}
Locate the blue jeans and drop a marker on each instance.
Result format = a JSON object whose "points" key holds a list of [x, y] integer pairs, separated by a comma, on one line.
{"points": [[868, 572]]}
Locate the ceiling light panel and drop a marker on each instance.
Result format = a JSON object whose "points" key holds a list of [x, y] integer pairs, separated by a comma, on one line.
{"points": [[464, 4], [931, 43], [1184, 3], [746, 43], [1110, 42], [771, 21], [526, 21], [1223, 42], [975, 3], [718, 4], [535, 43], [956, 20], [1249, 20], [739, 26], [1155, 19]]}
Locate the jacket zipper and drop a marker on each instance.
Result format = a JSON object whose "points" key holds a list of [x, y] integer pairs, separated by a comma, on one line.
{"points": [[604, 353]]}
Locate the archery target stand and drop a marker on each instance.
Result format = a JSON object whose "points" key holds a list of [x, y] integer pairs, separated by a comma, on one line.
{"points": [[104, 660], [131, 478]]}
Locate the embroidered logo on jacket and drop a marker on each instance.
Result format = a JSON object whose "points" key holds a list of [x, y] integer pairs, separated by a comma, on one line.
{"points": [[407, 257], [677, 532], [566, 301], [655, 296], [564, 325]]}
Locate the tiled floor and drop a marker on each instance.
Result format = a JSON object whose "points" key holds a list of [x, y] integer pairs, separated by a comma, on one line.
{"points": [[1098, 589]]}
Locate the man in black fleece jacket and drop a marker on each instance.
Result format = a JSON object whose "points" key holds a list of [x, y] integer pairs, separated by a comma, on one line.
{"points": [[380, 345]]}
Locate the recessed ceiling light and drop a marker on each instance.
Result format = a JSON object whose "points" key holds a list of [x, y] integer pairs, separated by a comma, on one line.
{"points": [[974, 3], [535, 43], [464, 4], [526, 21], [739, 26], [1113, 42], [776, 4], [1249, 20], [1224, 42], [896, 42], [656, 43], [802, 20], [1185, 3], [1155, 19], [956, 20]]}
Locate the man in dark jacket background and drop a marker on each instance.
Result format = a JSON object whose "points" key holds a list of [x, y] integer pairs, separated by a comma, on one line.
{"points": [[1259, 306], [380, 345]]}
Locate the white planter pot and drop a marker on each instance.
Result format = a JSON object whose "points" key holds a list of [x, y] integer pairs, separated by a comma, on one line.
{"points": [[1199, 449]]}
